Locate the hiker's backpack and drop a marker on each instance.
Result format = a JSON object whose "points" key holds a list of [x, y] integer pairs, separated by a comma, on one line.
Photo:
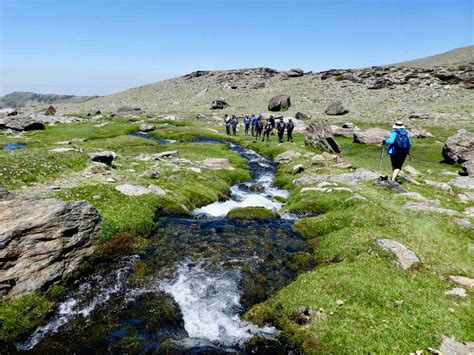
{"points": [[402, 142]]}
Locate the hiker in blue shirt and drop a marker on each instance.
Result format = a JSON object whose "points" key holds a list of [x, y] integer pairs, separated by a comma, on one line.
{"points": [[254, 124], [399, 145], [234, 122], [246, 124]]}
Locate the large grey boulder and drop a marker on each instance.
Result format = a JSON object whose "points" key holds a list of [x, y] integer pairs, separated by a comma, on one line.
{"points": [[287, 156], [279, 103], [302, 116], [463, 182], [41, 241], [319, 135], [449, 346], [295, 72], [25, 122], [371, 136], [406, 258], [105, 157], [460, 149], [336, 109], [219, 104]]}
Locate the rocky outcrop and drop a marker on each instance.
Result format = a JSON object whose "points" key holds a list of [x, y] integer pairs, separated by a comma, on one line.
{"points": [[371, 136], [24, 122], [295, 72], [219, 104], [126, 111], [105, 157], [279, 103], [319, 135], [336, 109], [302, 116], [460, 149], [41, 241]]}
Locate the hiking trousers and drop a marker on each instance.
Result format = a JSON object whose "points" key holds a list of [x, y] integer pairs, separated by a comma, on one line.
{"points": [[289, 134], [280, 137]]}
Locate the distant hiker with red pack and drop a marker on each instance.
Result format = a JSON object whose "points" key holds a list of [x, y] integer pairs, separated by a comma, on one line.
{"points": [[399, 147]]}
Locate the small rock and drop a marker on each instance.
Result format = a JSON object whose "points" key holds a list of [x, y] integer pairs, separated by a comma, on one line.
{"points": [[391, 185], [462, 280], [424, 207], [411, 170], [96, 168], [302, 116], [463, 182], [63, 150], [286, 156], [144, 127], [318, 160], [339, 302], [110, 180], [469, 212], [105, 157], [440, 185], [399, 303], [170, 153], [298, 169], [357, 197], [132, 190], [96, 197], [217, 164], [156, 190], [413, 195], [152, 173], [195, 170], [407, 259], [53, 187], [457, 291], [63, 143], [462, 222]]}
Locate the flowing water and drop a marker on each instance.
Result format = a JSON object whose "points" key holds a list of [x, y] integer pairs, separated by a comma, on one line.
{"points": [[187, 291]]}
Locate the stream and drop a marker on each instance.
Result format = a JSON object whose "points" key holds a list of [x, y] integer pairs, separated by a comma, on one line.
{"points": [[187, 291]]}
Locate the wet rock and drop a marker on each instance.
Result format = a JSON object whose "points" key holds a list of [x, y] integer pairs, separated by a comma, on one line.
{"points": [[449, 346], [319, 135], [457, 292], [105, 157], [252, 213], [219, 104], [51, 111], [279, 103], [299, 168], [217, 164], [406, 258], [371, 136], [144, 127], [462, 280], [460, 149], [463, 182], [425, 207], [42, 241], [336, 109], [302, 116], [286, 156]]}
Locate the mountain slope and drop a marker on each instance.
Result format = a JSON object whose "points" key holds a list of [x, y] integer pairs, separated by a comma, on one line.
{"points": [[19, 98], [455, 57]]}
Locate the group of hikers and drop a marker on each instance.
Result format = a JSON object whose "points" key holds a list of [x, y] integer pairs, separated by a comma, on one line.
{"points": [[399, 143], [261, 128]]}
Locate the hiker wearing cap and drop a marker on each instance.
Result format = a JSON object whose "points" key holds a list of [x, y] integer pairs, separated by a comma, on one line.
{"points": [[399, 145], [280, 129], [289, 130]]}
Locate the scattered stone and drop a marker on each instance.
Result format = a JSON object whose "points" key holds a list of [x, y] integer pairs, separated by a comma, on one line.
{"points": [[319, 135], [462, 280], [371, 136], [43, 241], [339, 302], [295, 72], [105, 157], [411, 170], [399, 303], [167, 154], [63, 143], [153, 173], [302, 116], [126, 111], [132, 190], [217, 164], [195, 170], [460, 149], [144, 127], [413, 195], [424, 207], [51, 111], [299, 168], [463, 182], [457, 291], [336, 109], [286, 156], [63, 150], [391, 185], [449, 346], [462, 222], [469, 212], [279, 103], [219, 104], [440, 185], [156, 190], [407, 259]]}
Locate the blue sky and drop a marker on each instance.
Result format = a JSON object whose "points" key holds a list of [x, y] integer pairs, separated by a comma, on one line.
{"points": [[87, 47]]}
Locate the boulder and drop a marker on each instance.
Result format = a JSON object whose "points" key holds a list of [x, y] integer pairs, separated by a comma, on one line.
{"points": [[105, 157], [457, 292], [427, 207], [156, 190], [126, 111], [24, 122], [302, 116], [344, 131], [219, 104], [406, 258], [51, 111], [132, 190], [416, 132], [93, 112], [145, 127], [462, 280], [319, 135], [295, 72], [42, 241], [299, 168], [336, 109], [463, 182], [286, 156], [217, 164], [279, 103], [449, 346], [460, 149], [371, 136]]}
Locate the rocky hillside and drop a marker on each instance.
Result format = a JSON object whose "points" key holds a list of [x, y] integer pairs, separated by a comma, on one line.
{"points": [[455, 57], [19, 99], [369, 94]]}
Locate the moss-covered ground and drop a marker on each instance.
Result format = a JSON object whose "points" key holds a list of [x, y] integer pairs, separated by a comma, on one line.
{"points": [[384, 309]]}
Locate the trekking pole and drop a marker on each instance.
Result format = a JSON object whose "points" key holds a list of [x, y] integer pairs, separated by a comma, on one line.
{"points": [[381, 157]]}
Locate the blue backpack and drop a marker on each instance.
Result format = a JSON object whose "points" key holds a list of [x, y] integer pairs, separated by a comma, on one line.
{"points": [[402, 142]]}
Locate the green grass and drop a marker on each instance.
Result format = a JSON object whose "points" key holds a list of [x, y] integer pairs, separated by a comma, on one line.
{"points": [[252, 213]]}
